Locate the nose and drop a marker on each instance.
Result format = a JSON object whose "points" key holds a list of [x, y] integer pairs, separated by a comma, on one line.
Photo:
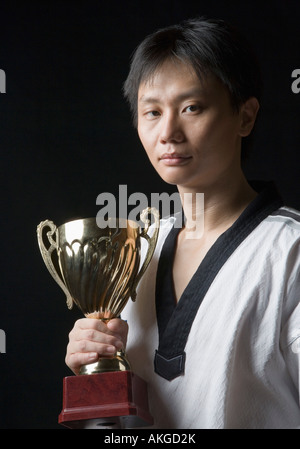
{"points": [[171, 130]]}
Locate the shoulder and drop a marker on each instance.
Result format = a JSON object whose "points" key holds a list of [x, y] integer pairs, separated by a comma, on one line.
{"points": [[283, 225], [286, 215]]}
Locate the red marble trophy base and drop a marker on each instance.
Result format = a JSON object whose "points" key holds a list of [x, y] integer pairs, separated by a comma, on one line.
{"points": [[107, 400]]}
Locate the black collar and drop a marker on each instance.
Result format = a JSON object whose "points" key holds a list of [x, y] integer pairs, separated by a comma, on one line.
{"points": [[175, 320]]}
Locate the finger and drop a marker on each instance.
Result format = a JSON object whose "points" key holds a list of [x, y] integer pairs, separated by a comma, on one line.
{"points": [[119, 328], [96, 330], [90, 323], [116, 326], [81, 339], [75, 359]]}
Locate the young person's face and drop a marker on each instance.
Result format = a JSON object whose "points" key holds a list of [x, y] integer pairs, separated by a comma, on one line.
{"points": [[188, 128]]}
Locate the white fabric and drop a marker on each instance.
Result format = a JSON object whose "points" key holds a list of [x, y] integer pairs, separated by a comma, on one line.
{"points": [[242, 354]]}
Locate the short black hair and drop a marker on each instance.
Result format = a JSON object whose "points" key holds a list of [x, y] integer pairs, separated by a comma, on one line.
{"points": [[210, 46]]}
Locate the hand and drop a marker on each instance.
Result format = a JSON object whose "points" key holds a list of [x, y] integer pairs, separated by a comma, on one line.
{"points": [[90, 338]]}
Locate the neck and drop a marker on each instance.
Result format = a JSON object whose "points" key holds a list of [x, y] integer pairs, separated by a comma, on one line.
{"points": [[215, 207]]}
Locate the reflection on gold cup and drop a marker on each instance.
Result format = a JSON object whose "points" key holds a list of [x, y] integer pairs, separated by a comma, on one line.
{"points": [[98, 269]]}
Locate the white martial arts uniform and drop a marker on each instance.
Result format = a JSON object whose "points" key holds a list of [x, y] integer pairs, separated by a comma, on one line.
{"points": [[234, 362]]}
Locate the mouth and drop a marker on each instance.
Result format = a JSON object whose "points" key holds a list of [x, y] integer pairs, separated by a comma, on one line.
{"points": [[175, 159]]}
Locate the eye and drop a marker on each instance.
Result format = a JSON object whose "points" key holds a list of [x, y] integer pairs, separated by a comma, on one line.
{"points": [[192, 108], [152, 114]]}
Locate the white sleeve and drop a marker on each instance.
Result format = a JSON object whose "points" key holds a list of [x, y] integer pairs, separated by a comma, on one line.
{"points": [[290, 345]]}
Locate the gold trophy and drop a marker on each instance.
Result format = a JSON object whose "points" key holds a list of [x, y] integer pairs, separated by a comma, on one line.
{"points": [[99, 270]]}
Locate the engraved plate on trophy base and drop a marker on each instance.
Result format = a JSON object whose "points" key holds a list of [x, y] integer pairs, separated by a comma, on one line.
{"points": [[106, 400]]}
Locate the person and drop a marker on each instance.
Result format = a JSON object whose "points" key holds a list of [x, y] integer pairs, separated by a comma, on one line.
{"points": [[215, 329]]}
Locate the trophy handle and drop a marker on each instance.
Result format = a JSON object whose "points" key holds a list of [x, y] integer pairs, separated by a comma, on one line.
{"points": [[47, 253], [151, 244]]}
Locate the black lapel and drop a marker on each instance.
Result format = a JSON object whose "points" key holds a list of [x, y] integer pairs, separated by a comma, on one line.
{"points": [[175, 321]]}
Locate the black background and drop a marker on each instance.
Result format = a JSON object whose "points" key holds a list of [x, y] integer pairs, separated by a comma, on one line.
{"points": [[66, 136]]}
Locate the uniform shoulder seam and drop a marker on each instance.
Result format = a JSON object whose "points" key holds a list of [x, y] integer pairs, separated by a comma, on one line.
{"points": [[287, 212]]}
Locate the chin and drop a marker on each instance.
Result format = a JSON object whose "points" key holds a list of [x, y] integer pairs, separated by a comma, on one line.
{"points": [[172, 180], [172, 177]]}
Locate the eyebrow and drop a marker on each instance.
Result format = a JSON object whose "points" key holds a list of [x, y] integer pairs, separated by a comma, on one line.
{"points": [[196, 92]]}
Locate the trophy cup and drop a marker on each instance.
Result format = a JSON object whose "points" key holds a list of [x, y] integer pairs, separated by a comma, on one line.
{"points": [[99, 270]]}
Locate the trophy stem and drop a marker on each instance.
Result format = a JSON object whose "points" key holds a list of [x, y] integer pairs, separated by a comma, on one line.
{"points": [[118, 362]]}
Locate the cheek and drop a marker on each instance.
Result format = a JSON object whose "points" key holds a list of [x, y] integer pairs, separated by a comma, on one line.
{"points": [[147, 142], [217, 131]]}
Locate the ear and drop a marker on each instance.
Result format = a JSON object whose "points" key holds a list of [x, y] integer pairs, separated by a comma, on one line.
{"points": [[248, 113]]}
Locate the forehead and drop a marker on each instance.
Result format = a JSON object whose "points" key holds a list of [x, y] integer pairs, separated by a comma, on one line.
{"points": [[167, 72], [175, 78]]}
